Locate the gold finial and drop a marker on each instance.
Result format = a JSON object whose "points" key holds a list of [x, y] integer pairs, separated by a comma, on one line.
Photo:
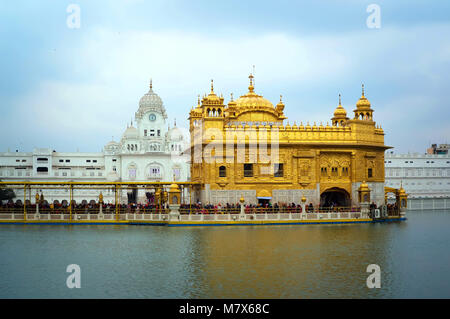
{"points": [[212, 86], [339, 98], [250, 88], [363, 89], [231, 97], [198, 99], [281, 98]]}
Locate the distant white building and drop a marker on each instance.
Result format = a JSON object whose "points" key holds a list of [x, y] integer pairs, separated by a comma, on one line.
{"points": [[151, 151], [421, 175]]}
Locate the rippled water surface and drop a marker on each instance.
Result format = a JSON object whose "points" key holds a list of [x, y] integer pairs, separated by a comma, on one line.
{"points": [[297, 261]]}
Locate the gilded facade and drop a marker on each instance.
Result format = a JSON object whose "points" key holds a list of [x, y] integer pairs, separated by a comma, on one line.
{"points": [[247, 148]]}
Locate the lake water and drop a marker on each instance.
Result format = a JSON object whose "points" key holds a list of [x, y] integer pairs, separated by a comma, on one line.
{"points": [[291, 261]]}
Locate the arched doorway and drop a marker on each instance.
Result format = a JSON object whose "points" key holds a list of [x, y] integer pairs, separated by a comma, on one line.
{"points": [[264, 197], [336, 197]]}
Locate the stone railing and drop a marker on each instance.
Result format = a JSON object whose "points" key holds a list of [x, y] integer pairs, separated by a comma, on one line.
{"points": [[196, 217]]}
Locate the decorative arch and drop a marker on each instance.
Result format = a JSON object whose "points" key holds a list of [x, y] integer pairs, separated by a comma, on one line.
{"points": [[222, 171], [132, 170], [263, 193], [154, 170], [336, 197]]}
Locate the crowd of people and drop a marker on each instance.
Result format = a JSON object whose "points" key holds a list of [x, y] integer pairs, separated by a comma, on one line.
{"points": [[194, 208]]}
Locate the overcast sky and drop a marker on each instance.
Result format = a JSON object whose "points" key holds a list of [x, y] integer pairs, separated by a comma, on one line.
{"points": [[74, 89]]}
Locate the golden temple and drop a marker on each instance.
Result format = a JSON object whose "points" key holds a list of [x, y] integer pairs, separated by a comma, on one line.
{"points": [[244, 149]]}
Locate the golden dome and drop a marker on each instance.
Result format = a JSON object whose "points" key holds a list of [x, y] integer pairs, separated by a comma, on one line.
{"points": [[340, 111], [232, 103], [363, 102], [364, 186], [340, 114], [174, 188], [401, 191], [251, 99]]}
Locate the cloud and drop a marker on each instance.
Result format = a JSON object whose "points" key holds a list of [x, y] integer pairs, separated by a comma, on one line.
{"points": [[106, 72]]}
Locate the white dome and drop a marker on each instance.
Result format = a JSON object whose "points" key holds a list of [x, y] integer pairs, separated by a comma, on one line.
{"points": [[111, 144], [151, 102], [112, 147], [175, 134], [130, 132], [150, 99]]}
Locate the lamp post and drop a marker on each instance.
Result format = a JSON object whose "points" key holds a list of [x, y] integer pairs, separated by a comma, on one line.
{"points": [[174, 202], [303, 206], [242, 213], [100, 203], [37, 205]]}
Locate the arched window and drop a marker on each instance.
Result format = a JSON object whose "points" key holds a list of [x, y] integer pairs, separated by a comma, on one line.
{"points": [[132, 169], [334, 171], [222, 171], [176, 172], [155, 171]]}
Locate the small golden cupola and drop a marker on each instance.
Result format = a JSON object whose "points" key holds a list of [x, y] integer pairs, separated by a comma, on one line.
{"points": [[340, 115], [231, 109], [212, 104], [280, 106], [363, 109], [195, 115]]}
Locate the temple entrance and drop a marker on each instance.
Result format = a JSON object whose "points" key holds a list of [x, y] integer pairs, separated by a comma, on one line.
{"points": [[263, 196], [264, 200], [335, 197]]}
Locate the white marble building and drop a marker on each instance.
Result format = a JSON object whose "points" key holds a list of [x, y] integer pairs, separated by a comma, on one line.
{"points": [[421, 175], [149, 151]]}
